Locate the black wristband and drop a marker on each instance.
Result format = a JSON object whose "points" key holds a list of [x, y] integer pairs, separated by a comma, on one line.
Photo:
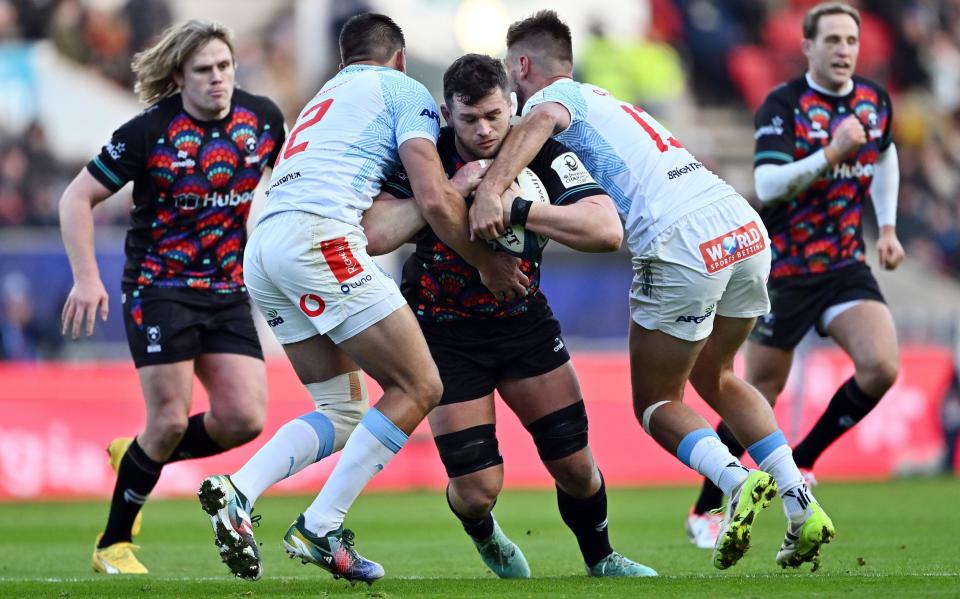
{"points": [[519, 211]]}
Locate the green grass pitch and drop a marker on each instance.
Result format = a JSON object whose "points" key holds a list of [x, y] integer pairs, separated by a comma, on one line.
{"points": [[896, 539]]}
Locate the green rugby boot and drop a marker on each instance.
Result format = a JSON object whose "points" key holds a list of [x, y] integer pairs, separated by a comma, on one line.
{"points": [[502, 555], [747, 501], [618, 566], [804, 545]]}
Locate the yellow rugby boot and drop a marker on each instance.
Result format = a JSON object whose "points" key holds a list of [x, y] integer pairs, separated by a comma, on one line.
{"points": [[116, 559]]}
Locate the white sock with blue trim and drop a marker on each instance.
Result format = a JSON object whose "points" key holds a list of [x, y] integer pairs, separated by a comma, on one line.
{"points": [[703, 451], [775, 457], [368, 450], [298, 443]]}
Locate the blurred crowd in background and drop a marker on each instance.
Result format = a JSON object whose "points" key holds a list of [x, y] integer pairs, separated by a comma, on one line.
{"points": [[688, 58]]}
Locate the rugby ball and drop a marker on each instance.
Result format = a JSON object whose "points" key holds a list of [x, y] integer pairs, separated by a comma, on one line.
{"points": [[516, 240]]}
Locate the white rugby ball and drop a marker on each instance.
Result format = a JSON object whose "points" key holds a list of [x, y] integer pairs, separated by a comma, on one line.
{"points": [[516, 240]]}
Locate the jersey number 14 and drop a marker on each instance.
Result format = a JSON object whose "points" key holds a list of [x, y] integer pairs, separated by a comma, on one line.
{"points": [[635, 112]]}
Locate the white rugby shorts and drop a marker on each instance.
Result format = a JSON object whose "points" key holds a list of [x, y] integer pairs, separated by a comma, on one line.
{"points": [[715, 260], [311, 275]]}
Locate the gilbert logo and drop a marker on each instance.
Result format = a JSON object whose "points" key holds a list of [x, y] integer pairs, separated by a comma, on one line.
{"points": [[739, 244], [340, 258]]}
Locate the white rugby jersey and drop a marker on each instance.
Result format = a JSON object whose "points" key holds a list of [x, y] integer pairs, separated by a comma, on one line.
{"points": [[345, 142], [651, 177]]}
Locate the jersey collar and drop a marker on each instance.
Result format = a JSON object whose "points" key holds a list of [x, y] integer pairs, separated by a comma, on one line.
{"points": [[843, 92]]}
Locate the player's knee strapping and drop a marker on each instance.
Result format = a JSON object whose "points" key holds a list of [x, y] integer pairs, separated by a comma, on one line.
{"points": [[561, 433], [648, 414], [470, 450], [343, 401]]}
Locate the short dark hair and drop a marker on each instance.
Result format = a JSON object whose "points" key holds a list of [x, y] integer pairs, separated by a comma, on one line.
{"points": [[369, 36], [545, 30], [812, 18], [471, 77]]}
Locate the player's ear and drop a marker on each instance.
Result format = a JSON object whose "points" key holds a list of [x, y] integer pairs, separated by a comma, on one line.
{"points": [[446, 113], [807, 47], [400, 59]]}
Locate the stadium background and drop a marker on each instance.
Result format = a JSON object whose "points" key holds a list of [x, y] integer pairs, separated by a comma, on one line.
{"points": [[700, 66]]}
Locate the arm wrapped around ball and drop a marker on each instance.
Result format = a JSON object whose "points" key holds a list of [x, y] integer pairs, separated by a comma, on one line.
{"points": [[589, 225]]}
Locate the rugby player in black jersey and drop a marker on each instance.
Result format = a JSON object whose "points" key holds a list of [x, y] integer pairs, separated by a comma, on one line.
{"points": [[824, 148], [483, 343], [195, 157]]}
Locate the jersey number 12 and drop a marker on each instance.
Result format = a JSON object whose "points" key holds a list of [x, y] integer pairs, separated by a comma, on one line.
{"points": [[291, 148]]}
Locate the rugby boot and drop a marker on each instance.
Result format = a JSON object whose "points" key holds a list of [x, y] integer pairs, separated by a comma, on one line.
{"points": [[502, 555], [803, 542], [232, 526], [116, 450], [754, 494], [616, 565], [333, 552], [116, 559]]}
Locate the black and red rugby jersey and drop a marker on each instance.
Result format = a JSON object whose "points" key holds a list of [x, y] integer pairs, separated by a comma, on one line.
{"points": [[820, 229], [193, 182]]}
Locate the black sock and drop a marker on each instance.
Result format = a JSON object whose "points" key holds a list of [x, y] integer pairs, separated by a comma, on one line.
{"points": [[711, 497], [587, 518], [136, 477], [477, 528], [847, 407], [196, 442]]}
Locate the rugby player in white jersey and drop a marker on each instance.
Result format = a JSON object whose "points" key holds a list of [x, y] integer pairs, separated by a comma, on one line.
{"points": [[333, 309], [701, 258]]}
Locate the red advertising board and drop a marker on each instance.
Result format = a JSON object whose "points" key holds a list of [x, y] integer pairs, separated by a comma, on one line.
{"points": [[55, 421]]}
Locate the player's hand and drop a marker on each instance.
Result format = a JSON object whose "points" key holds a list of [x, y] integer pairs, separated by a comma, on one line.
{"points": [[503, 278], [86, 298], [507, 198], [889, 248], [486, 215], [848, 136], [469, 176]]}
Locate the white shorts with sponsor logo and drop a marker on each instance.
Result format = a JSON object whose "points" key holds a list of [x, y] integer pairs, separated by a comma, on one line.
{"points": [[715, 260], [311, 275]]}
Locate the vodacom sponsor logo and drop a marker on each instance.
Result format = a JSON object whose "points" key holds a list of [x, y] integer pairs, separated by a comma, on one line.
{"points": [[312, 304], [739, 244]]}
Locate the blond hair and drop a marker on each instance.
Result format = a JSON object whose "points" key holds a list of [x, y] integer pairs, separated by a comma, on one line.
{"points": [[156, 66]]}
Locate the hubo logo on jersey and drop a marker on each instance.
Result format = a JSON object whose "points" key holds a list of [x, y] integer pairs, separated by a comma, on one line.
{"points": [[153, 339], [570, 170], [340, 259], [430, 114], [774, 128], [192, 201], [855, 171], [346, 287], [273, 318], [729, 248]]}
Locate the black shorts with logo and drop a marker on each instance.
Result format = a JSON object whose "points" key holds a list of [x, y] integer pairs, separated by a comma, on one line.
{"points": [[796, 303], [474, 355], [172, 325]]}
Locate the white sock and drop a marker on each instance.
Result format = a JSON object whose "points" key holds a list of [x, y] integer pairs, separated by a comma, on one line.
{"points": [[368, 450], [298, 443], [796, 497], [703, 451]]}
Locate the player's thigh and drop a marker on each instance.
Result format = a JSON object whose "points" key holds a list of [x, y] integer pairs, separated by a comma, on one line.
{"points": [[394, 352], [718, 352], [534, 397], [167, 392], [867, 333], [462, 415], [767, 368], [317, 359], [236, 385], [659, 365]]}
